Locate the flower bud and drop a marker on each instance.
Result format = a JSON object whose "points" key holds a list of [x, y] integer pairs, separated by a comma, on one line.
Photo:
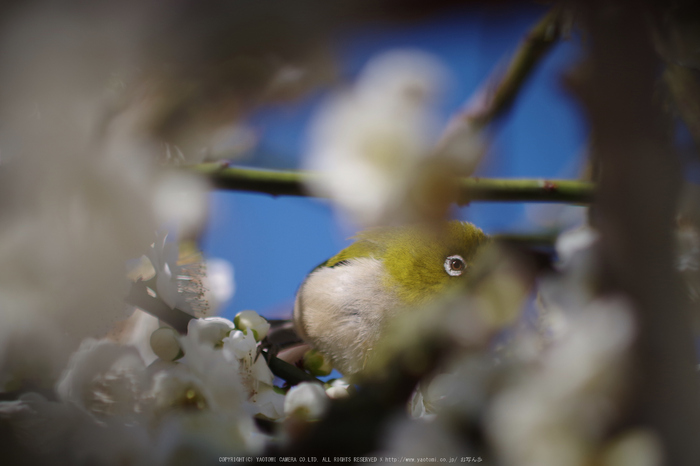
{"points": [[317, 364], [337, 389], [307, 400], [245, 320], [165, 345]]}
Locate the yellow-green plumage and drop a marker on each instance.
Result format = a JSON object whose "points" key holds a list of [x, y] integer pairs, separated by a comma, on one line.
{"points": [[414, 256], [344, 305]]}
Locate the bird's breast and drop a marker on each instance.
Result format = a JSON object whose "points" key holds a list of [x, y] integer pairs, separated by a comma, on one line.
{"points": [[342, 310]]}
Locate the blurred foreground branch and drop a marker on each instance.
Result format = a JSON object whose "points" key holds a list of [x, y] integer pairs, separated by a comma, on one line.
{"points": [[639, 186], [289, 183]]}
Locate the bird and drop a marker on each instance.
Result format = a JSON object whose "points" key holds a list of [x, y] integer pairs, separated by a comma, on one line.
{"points": [[344, 305]]}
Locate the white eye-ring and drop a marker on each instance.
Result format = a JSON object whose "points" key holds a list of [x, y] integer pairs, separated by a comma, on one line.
{"points": [[455, 265]]}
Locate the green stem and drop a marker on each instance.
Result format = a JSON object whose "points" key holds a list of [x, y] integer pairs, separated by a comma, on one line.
{"points": [[291, 183], [525, 190]]}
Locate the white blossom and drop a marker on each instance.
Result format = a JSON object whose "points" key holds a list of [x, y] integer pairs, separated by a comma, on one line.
{"points": [[416, 438], [180, 199], [372, 143], [557, 411], [257, 377], [225, 363], [251, 320], [337, 389], [61, 433], [209, 330], [104, 379], [308, 400]]}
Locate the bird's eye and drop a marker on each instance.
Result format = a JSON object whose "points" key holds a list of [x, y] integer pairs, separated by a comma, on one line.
{"points": [[455, 265]]}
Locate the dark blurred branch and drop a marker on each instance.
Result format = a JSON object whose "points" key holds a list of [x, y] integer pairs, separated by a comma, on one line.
{"points": [[636, 201], [287, 372], [288, 183], [274, 182]]}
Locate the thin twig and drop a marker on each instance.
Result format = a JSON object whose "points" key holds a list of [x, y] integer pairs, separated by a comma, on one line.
{"points": [[524, 190], [498, 95], [291, 183]]}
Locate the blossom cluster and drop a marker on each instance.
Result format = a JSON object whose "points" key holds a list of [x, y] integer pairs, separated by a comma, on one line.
{"points": [[522, 368]]}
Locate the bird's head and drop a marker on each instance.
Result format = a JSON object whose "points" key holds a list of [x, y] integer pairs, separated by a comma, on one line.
{"points": [[419, 262]]}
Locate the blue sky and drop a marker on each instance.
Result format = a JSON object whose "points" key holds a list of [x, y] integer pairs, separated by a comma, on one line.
{"points": [[274, 242]]}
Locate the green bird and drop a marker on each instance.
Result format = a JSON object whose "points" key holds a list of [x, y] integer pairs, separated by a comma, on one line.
{"points": [[344, 305]]}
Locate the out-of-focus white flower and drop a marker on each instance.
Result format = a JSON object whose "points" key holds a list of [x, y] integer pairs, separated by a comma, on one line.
{"points": [[339, 388], [232, 142], [193, 436], [180, 199], [43, 431], [419, 439], [574, 287], [556, 411], [572, 243], [220, 281], [104, 379], [308, 400], [372, 143], [251, 320], [459, 392]]}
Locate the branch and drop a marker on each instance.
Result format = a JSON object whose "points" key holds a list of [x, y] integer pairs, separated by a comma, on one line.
{"points": [[291, 183], [497, 97], [288, 372], [524, 190]]}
